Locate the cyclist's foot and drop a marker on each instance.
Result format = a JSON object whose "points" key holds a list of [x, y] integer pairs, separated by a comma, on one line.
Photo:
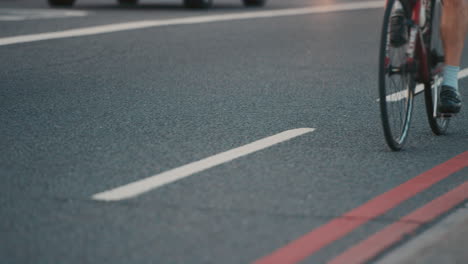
{"points": [[450, 100], [397, 28]]}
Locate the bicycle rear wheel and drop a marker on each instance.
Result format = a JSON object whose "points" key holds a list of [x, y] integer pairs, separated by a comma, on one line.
{"points": [[439, 123], [396, 77]]}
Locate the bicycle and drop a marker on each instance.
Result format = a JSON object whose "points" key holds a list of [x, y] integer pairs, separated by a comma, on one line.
{"points": [[409, 67]]}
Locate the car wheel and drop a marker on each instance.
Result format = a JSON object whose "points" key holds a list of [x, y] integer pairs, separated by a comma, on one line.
{"points": [[61, 3], [128, 2], [198, 3], [254, 2]]}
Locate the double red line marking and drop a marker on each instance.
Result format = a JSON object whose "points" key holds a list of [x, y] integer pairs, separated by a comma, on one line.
{"points": [[337, 228]]}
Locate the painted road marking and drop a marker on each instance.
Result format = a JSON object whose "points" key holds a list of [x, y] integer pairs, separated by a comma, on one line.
{"points": [[337, 228], [190, 20], [145, 185], [395, 97], [7, 14], [377, 243], [463, 74]]}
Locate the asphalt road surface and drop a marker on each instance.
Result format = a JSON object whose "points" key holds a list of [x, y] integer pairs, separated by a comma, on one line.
{"points": [[244, 132]]}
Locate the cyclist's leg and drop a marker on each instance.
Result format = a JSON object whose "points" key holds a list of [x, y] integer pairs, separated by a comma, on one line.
{"points": [[453, 27]]}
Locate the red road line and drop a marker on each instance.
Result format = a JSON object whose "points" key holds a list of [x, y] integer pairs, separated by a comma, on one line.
{"points": [[337, 228], [393, 233]]}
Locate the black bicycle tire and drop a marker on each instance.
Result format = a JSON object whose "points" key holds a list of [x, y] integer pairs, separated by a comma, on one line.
{"points": [[391, 142], [436, 127], [61, 3]]}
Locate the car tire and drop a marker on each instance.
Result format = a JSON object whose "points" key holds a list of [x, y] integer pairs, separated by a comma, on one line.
{"points": [[61, 3], [198, 3], [128, 2], [254, 2]]}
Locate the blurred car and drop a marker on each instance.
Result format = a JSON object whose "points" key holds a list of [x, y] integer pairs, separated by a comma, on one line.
{"points": [[187, 3]]}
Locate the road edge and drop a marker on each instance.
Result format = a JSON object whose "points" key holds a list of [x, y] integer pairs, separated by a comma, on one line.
{"points": [[435, 242]]}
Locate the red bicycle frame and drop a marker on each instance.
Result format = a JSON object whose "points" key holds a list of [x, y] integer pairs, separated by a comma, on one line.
{"points": [[416, 44]]}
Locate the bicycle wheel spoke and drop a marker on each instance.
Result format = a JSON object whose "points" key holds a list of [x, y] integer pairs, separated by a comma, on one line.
{"points": [[396, 83], [437, 122], [398, 92]]}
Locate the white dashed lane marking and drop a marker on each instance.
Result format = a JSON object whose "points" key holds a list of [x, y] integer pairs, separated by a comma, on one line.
{"points": [[79, 32], [7, 14], [145, 185], [395, 97]]}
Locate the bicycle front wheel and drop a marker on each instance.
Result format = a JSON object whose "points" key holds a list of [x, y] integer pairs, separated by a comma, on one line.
{"points": [[438, 122], [396, 75]]}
